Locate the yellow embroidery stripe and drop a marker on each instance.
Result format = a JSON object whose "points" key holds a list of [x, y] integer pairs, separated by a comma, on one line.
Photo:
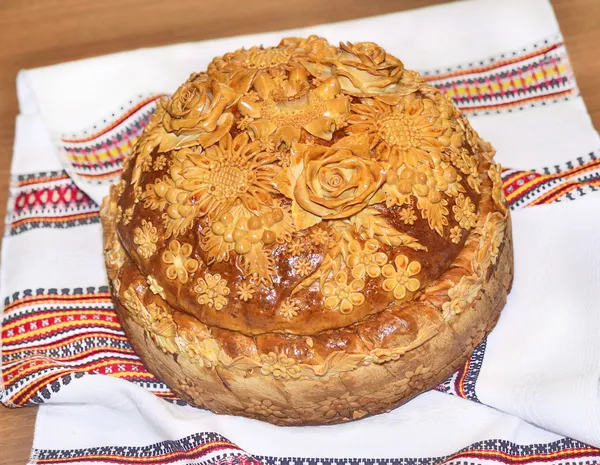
{"points": [[525, 458], [513, 176], [183, 455], [492, 66], [541, 178], [23, 396], [516, 177], [139, 374], [562, 190], [116, 122], [65, 325], [34, 317], [63, 343], [55, 219], [518, 102], [79, 355], [103, 154], [50, 363], [527, 185], [166, 395], [29, 182], [100, 297], [589, 166], [463, 377]]}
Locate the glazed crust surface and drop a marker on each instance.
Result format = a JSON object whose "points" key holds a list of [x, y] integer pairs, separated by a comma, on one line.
{"points": [[307, 234]]}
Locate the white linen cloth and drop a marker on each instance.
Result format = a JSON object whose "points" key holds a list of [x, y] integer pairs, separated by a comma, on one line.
{"points": [[540, 368]]}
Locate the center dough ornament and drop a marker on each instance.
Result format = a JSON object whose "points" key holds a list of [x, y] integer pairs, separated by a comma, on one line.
{"points": [[307, 234]]}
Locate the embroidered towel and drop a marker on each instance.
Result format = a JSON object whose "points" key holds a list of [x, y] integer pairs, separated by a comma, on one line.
{"points": [[505, 65]]}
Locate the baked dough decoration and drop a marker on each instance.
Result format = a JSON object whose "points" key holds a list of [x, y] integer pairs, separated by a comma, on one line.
{"points": [[307, 234]]}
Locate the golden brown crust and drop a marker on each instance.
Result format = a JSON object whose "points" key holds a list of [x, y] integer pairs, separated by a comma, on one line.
{"points": [[366, 390], [307, 217]]}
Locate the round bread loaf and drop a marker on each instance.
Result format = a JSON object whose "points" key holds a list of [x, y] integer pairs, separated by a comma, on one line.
{"points": [[307, 234]]}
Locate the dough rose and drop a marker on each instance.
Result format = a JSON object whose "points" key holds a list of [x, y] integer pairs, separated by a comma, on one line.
{"points": [[196, 106], [330, 182], [371, 55]]}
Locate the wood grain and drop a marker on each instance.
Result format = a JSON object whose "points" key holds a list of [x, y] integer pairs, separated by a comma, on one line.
{"points": [[43, 32]]}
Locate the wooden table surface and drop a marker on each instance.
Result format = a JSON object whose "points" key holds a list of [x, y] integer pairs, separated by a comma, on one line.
{"points": [[43, 32]]}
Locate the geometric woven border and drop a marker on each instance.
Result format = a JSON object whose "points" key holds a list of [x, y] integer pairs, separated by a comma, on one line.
{"points": [[212, 448]]}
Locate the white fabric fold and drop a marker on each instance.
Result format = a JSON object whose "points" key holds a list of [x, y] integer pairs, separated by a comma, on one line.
{"points": [[542, 362]]}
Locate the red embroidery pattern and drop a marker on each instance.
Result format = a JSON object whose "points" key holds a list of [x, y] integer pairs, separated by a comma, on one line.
{"points": [[49, 199]]}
